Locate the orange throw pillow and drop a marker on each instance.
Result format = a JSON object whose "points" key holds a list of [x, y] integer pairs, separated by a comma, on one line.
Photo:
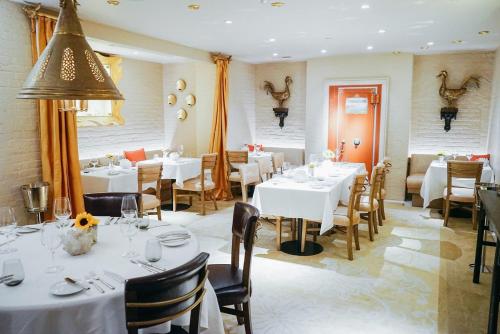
{"points": [[476, 157], [135, 156]]}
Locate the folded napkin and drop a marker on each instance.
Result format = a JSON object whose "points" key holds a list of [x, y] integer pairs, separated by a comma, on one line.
{"points": [[172, 235]]}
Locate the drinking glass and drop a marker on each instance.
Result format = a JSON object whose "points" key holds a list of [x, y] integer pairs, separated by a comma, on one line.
{"points": [[128, 228], [13, 267], [52, 239], [455, 155], [62, 211], [153, 251], [469, 156], [129, 207], [8, 226], [181, 150], [94, 163]]}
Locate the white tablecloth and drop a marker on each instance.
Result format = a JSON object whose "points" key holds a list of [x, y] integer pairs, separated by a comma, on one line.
{"points": [[99, 179], [29, 308], [283, 196], [436, 177]]}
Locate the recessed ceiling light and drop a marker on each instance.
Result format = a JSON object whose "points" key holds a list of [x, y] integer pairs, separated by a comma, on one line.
{"points": [[194, 6], [484, 32], [381, 31], [365, 6], [113, 2], [228, 22], [286, 57], [430, 43], [324, 51], [328, 37], [271, 40], [275, 54], [277, 4], [369, 47], [396, 52], [457, 41]]}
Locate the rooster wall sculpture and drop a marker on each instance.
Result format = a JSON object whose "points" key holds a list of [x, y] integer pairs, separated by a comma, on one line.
{"points": [[281, 97], [451, 96]]}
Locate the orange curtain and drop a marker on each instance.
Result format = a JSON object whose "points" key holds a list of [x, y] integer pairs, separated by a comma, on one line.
{"points": [[58, 135], [218, 134]]}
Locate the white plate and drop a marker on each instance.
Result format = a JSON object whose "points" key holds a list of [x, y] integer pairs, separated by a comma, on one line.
{"points": [[175, 243], [26, 230], [113, 172], [64, 288]]}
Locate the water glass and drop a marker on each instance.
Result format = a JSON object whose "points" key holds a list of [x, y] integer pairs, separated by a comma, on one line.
{"points": [[52, 239], [128, 229], [13, 267], [153, 251], [8, 226], [143, 223], [62, 211]]}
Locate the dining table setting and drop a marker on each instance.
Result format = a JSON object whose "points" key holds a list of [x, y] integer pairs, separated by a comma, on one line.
{"points": [[51, 283]]}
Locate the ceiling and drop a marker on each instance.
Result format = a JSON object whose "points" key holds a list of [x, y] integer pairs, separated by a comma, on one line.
{"points": [[303, 29]]}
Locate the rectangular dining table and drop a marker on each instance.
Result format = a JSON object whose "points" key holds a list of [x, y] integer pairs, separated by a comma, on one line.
{"points": [[315, 198]]}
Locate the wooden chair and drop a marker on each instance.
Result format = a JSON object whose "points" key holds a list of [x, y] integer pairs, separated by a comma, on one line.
{"points": [[199, 186], [155, 299], [347, 217], [149, 173], [107, 204], [278, 161], [369, 203], [233, 158], [232, 285], [466, 170], [381, 197]]}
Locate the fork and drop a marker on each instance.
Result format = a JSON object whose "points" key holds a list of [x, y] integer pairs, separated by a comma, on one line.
{"points": [[94, 284]]}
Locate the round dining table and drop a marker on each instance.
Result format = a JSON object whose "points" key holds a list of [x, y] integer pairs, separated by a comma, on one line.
{"points": [[30, 308]]}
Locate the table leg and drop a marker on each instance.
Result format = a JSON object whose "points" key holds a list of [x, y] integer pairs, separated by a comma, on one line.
{"points": [[170, 206], [495, 294], [479, 245], [293, 247]]}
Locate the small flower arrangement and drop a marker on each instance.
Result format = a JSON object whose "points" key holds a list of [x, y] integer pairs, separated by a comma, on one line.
{"points": [[329, 154], [85, 220], [441, 154], [109, 156]]}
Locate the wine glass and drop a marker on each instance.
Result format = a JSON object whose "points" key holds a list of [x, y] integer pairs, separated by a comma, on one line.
{"points": [[129, 207], [128, 229], [454, 155], [62, 211], [469, 156], [8, 226], [181, 150], [52, 239], [94, 163]]}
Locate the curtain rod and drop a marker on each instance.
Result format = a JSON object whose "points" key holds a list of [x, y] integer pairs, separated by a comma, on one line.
{"points": [[33, 10]]}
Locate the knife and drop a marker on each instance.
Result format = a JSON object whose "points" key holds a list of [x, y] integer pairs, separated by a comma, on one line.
{"points": [[150, 265], [114, 276], [72, 281]]}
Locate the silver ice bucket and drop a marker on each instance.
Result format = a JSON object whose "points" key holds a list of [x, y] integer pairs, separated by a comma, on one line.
{"points": [[36, 196]]}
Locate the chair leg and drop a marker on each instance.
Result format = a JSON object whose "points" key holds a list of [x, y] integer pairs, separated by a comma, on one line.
{"points": [[356, 237], [244, 192], [174, 200], [349, 242], [370, 226], [202, 199], [247, 316], [214, 200], [241, 320], [380, 219], [446, 211], [374, 221], [303, 240], [293, 228], [382, 207], [278, 233], [158, 212], [474, 216], [190, 200]]}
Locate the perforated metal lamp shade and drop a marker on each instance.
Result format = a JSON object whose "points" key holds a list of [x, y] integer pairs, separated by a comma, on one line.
{"points": [[68, 68]]}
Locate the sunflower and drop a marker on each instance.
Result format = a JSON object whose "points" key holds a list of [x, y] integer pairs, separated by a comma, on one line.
{"points": [[85, 220]]}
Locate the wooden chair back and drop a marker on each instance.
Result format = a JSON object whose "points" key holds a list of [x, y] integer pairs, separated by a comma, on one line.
{"points": [[278, 160], [158, 298], [463, 169], [245, 218], [148, 173], [376, 183], [387, 168], [208, 163], [240, 157], [357, 188]]}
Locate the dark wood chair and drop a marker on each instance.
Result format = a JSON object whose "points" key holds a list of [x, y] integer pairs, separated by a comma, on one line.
{"points": [[231, 284], [107, 204], [155, 299]]}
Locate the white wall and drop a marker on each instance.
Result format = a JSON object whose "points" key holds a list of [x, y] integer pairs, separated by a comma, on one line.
{"points": [[494, 135], [398, 69], [241, 113], [205, 88], [267, 130], [20, 149], [469, 132], [141, 85]]}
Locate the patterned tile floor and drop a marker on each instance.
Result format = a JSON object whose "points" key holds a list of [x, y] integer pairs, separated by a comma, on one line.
{"points": [[414, 278]]}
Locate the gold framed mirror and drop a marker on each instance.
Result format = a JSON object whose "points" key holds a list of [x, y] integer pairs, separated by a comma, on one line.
{"points": [[104, 112]]}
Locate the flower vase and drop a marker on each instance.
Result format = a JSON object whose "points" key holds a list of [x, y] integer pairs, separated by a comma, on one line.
{"points": [[92, 230], [441, 158]]}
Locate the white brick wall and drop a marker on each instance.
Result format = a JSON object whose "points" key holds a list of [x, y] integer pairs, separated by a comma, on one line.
{"points": [[268, 131], [494, 135], [19, 151], [469, 131], [142, 87]]}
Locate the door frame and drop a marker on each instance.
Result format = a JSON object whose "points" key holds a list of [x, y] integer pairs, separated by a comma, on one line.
{"points": [[384, 105]]}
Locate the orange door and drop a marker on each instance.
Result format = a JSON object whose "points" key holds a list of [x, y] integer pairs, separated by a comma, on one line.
{"points": [[355, 120]]}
